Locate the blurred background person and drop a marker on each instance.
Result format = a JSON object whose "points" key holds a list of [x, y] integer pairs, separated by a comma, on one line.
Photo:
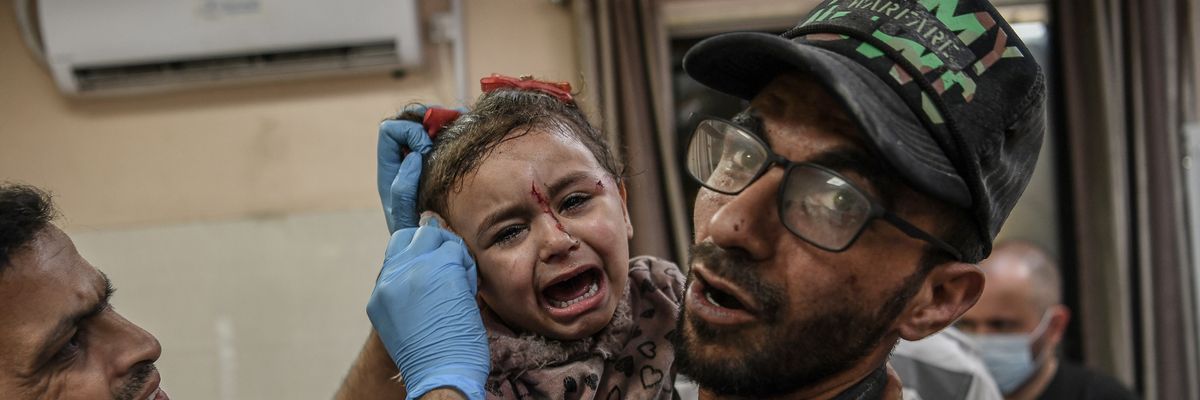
{"points": [[1018, 323]]}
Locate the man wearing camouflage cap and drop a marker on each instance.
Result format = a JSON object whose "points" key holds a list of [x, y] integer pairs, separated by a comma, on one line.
{"points": [[885, 144]]}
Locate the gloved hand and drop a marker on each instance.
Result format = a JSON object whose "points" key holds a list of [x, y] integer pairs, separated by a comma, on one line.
{"points": [[424, 308], [397, 180]]}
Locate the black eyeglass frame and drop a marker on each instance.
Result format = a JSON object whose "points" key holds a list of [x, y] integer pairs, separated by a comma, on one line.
{"points": [[876, 211]]}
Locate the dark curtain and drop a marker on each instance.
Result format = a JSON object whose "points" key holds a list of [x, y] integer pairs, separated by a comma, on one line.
{"points": [[623, 46], [1125, 68]]}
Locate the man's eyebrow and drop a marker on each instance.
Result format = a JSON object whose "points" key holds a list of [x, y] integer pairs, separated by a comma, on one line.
{"points": [[46, 348], [750, 120], [849, 159], [855, 160]]}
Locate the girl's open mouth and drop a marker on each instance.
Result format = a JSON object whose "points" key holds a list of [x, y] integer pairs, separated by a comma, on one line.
{"points": [[576, 294]]}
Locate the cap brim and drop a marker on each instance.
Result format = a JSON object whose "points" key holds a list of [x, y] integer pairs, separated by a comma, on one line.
{"points": [[742, 64]]}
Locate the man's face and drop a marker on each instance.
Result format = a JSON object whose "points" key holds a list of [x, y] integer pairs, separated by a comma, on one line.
{"points": [[767, 313], [61, 339]]}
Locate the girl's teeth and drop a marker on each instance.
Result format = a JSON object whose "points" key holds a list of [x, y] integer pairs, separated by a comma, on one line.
{"points": [[592, 289]]}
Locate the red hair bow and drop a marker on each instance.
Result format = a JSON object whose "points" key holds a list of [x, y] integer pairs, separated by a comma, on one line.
{"points": [[437, 118], [434, 120], [561, 90]]}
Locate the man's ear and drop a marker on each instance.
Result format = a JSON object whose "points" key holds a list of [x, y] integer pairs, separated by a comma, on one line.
{"points": [[949, 290], [625, 208], [1060, 317]]}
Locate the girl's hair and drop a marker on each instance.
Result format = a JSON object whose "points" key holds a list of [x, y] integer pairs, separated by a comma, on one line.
{"points": [[463, 144]]}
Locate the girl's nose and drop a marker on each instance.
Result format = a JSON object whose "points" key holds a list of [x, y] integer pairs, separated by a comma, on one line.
{"points": [[557, 240]]}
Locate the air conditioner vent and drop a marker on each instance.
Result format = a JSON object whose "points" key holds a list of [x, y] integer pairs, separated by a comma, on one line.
{"points": [[291, 63]]}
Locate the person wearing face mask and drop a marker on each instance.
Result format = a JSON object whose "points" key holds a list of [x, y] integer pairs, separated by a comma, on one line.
{"points": [[1018, 323]]}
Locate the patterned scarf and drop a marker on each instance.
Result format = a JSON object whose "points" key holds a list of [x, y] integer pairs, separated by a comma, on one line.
{"points": [[631, 358]]}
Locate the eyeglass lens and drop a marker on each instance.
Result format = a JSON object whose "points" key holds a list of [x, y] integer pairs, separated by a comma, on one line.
{"points": [[822, 207], [815, 204], [724, 158]]}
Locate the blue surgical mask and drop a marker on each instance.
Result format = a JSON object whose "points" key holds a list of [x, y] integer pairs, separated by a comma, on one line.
{"points": [[1009, 357]]}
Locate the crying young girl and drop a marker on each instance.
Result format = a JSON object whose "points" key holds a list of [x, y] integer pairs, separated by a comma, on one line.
{"points": [[538, 198]]}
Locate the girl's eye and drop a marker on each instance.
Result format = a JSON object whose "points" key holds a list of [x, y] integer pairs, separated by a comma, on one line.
{"points": [[574, 201], [508, 234]]}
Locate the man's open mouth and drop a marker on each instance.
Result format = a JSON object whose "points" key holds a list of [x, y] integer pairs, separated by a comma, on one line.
{"points": [[721, 299], [718, 301]]}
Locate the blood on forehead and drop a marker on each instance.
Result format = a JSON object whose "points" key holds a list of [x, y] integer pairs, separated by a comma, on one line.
{"points": [[545, 205]]}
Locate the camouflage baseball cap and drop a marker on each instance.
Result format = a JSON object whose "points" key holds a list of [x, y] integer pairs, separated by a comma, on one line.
{"points": [[944, 89]]}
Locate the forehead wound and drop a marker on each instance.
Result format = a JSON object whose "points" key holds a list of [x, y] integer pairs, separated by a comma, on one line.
{"points": [[544, 205]]}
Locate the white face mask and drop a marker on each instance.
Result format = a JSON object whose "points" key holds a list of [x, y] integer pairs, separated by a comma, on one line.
{"points": [[1009, 356]]}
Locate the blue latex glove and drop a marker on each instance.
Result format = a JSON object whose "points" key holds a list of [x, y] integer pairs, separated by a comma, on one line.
{"points": [[424, 308], [398, 180]]}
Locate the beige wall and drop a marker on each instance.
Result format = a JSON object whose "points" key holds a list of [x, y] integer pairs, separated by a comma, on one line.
{"points": [[241, 224], [268, 308], [263, 149]]}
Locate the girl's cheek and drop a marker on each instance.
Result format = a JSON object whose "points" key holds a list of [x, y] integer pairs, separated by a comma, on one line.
{"points": [[492, 272], [517, 275], [610, 226]]}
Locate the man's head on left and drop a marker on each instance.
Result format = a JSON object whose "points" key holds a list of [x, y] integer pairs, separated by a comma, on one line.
{"points": [[61, 337]]}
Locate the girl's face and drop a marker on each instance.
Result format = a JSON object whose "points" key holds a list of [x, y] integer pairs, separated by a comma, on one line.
{"points": [[548, 228]]}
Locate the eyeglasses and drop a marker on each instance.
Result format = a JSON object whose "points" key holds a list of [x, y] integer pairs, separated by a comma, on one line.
{"points": [[815, 203]]}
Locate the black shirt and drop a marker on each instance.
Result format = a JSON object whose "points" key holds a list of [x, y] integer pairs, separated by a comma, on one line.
{"points": [[1072, 381]]}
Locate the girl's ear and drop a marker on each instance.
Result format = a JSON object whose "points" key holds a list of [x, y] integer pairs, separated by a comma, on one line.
{"points": [[624, 207]]}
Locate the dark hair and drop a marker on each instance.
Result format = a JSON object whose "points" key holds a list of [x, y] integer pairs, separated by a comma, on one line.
{"points": [[24, 211], [462, 145]]}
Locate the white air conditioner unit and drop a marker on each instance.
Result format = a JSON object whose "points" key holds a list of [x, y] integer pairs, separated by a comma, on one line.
{"points": [[129, 46]]}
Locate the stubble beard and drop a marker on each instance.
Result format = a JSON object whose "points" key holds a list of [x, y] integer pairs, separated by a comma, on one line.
{"points": [[137, 382], [780, 353]]}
